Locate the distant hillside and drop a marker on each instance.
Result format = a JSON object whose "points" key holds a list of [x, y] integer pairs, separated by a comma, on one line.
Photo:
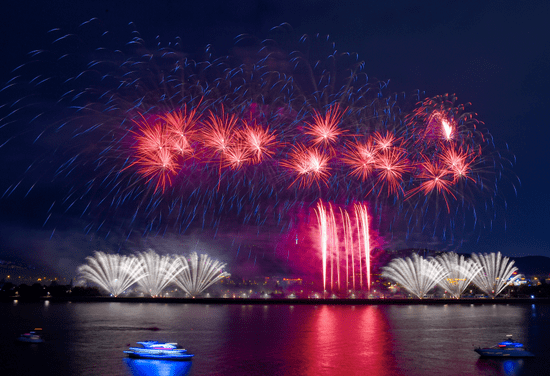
{"points": [[533, 265]]}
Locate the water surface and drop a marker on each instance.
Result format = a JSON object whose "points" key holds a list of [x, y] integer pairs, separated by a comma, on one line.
{"points": [[88, 338]]}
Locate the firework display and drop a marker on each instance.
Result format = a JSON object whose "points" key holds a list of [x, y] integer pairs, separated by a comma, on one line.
{"points": [[112, 273], [489, 272], [416, 274], [199, 273], [151, 273], [160, 271], [345, 247], [498, 272], [142, 137], [460, 272], [170, 141]]}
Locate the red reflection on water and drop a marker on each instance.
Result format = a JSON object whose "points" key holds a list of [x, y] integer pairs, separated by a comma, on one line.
{"points": [[344, 340]]}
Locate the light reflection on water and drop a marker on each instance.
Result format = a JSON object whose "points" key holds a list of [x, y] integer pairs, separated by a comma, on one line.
{"points": [[89, 338], [507, 367], [148, 367]]}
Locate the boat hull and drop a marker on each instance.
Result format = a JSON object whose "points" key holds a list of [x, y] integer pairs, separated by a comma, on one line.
{"points": [[29, 340], [501, 353], [178, 357]]}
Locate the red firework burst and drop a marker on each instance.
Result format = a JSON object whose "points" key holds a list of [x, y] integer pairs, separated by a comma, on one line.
{"points": [[361, 157], [236, 156], [261, 143], [324, 129], [158, 164], [154, 153], [459, 162], [150, 138], [436, 177], [310, 165], [219, 132], [391, 165], [386, 142], [181, 127]]}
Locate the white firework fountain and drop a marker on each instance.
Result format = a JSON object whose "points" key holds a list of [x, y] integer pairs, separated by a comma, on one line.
{"points": [[111, 272], [460, 272], [160, 271], [417, 275], [199, 274], [498, 272]]}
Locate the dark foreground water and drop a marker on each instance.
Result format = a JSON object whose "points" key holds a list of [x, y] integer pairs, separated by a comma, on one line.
{"points": [[88, 339]]}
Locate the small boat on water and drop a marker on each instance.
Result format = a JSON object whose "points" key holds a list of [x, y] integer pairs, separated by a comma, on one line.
{"points": [[31, 337], [506, 348], [158, 350]]}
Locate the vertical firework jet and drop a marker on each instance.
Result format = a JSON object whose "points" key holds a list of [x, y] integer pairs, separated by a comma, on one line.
{"points": [[323, 234], [342, 240]]}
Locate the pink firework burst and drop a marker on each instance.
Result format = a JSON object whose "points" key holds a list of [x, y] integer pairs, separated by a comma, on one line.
{"points": [[361, 157], [391, 165], [459, 162], [310, 165], [219, 132], [182, 129], [435, 177], [324, 129], [236, 156], [261, 143]]}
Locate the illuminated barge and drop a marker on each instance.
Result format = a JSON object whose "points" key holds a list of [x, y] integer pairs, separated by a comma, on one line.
{"points": [[158, 350], [507, 348]]}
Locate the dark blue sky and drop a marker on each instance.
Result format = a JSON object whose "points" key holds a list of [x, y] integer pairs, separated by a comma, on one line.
{"points": [[494, 54]]}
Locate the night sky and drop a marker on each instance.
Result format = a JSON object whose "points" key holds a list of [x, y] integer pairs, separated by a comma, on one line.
{"points": [[494, 54]]}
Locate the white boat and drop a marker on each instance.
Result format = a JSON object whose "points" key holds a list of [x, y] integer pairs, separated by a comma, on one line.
{"points": [[507, 348], [158, 350]]}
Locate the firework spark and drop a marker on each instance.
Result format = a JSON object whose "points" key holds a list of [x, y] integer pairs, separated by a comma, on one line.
{"points": [[163, 143], [460, 272], [324, 130], [160, 271], [417, 275], [112, 273], [310, 166], [199, 273], [498, 272]]}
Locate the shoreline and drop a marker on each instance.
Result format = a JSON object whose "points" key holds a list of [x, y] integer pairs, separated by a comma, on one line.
{"points": [[272, 301]]}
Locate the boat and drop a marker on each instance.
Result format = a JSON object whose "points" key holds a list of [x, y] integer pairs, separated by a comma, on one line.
{"points": [[158, 350], [507, 348], [31, 337]]}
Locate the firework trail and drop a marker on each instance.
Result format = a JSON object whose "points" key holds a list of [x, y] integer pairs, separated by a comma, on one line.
{"points": [[149, 138], [343, 240]]}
